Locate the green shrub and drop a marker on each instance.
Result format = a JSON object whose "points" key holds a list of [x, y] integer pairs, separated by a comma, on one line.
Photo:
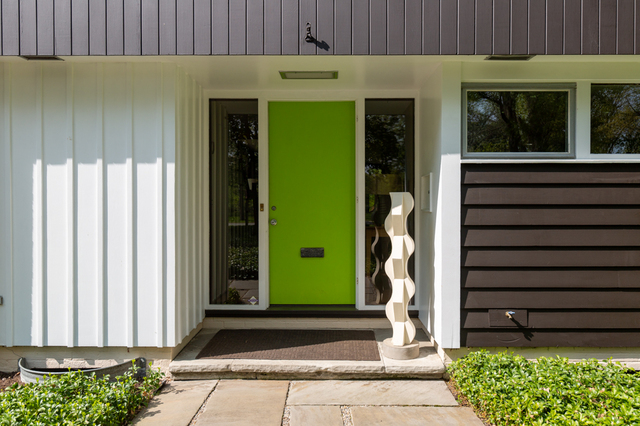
{"points": [[509, 390], [234, 297], [243, 263], [77, 399]]}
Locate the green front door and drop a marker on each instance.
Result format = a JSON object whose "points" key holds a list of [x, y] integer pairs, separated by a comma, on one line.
{"points": [[312, 203]]}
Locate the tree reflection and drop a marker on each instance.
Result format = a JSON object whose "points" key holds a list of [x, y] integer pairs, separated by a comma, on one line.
{"points": [[615, 119], [509, 121], [386, 163]]}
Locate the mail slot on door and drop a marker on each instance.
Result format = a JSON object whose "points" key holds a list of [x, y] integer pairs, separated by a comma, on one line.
{"points": [[312, 252]]}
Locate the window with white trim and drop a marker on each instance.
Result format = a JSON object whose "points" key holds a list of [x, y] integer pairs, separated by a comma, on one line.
{"points": [[615, 119], [518, 121]]}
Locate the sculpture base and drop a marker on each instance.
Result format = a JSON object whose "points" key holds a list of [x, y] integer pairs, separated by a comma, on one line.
{"points": [[410, 351]]}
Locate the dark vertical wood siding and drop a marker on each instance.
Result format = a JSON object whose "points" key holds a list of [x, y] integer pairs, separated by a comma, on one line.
{"points": [[325, 24], [290, 27], [484, 26], [45, 28], [115, 26], [537, 26], [133, 28], [342, 42], [555, 28], [255, 28], [202, 27], [28, 28], [97, 27], [519, 27], [80, 27], [345, 27], [272, 27], [150, 29], [220, 27], [413, 27], [237, 27], [467, 24], [558, 243], [308, 14], [625, 27], [501, 27], [184, 27]]}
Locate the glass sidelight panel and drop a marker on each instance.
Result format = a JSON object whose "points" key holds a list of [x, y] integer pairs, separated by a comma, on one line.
{"points": [[234, 202], [389, 167]]}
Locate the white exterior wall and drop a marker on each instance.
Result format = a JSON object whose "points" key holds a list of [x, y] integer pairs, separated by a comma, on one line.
{"points": [[439, 154], [87, 203], [192, 207]]}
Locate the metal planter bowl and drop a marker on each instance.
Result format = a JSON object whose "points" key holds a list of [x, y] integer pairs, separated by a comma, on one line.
{"points": [[32, 375]]}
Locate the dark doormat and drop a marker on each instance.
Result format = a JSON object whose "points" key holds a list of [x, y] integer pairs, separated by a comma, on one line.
{"points": [[337, 345]]}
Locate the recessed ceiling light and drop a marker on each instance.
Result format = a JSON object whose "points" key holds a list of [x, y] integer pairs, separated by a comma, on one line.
{"points": [[508, 57], [309, 75], [40, 58]]}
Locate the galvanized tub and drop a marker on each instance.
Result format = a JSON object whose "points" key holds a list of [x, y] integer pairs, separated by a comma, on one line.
{"points": [[32, 375]]}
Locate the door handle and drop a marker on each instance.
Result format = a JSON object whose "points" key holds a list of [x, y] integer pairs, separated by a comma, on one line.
{"points": [[274, 222]]}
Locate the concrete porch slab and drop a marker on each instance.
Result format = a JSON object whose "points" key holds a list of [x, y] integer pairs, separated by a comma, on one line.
{"points": [[186, 367]]}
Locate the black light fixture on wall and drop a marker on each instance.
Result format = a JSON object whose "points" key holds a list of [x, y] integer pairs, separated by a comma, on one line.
{"points": [[309, 75], [309, 38]]}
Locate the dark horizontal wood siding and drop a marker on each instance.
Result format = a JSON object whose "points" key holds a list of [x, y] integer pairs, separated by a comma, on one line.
{"points": [[560, 242], [344, 27]]}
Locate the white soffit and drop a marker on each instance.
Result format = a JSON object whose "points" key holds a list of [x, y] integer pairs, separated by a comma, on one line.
{"points": [[375, 73], [263, 72]]}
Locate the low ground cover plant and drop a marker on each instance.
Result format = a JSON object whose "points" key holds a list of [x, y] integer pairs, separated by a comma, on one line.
{"points": [[77, 399], [507, 389]]}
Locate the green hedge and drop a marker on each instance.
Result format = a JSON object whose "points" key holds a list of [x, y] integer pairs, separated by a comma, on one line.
{"points": [[77, 399], [509, 390], [243, 263]]}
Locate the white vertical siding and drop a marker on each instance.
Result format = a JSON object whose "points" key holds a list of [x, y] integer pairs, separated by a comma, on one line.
{"points": [[5, 213], [192, 223], [89, 193]]}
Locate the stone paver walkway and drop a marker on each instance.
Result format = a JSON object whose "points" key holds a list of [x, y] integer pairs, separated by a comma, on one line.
{"points": [[306, 403]]}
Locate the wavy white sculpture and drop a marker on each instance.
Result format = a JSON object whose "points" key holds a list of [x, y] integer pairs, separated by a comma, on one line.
{"points": [[402, 345]]}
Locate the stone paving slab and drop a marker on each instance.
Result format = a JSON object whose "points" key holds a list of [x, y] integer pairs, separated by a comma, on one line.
{"points": [[364, 392], [315, 415], [414, 416], [176, 404], [246, 403]]}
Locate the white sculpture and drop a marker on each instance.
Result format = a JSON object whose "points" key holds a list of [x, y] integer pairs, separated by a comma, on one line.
{"points": [[402, 286]]}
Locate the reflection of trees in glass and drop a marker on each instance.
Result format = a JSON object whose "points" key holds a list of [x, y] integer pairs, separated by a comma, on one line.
{"points": [[385, 168], [508, 121], [615, 119], [242, 204], [243, 168], [384, 144]]}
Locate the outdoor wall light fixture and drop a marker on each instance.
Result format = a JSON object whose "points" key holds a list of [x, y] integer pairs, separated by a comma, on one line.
{"points": [[508, 57], [41, 58], [309, 75], [309, 38]]}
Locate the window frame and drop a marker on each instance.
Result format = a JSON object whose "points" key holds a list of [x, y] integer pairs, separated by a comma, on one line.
{"points": [[570, 88], [631, 156]]}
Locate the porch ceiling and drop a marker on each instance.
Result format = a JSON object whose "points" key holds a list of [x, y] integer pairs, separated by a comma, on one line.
{"points": [[372, 73], [354, 73]]}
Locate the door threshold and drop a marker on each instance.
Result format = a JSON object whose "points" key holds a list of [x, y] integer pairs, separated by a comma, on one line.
{"points": [[302, 311]]}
